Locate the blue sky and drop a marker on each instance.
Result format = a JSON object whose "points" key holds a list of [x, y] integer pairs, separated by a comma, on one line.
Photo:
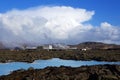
{"points": [[105, 10]]}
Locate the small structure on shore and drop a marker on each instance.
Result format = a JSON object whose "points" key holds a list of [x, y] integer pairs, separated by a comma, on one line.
{"points": [[31, 48], [84, 49], [48, 47]]}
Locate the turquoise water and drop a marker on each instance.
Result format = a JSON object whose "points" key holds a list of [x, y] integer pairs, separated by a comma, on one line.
{"points": [[6, 68]]}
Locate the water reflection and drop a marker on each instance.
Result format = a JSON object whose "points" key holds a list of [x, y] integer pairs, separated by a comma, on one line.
{"points": [[6, 68]]}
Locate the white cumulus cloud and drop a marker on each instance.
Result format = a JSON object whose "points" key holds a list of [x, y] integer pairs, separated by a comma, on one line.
{"points": [[53, 24]]}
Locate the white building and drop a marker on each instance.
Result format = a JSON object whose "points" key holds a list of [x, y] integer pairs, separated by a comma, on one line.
{"points": [[84, 49], [32, 48], [48, 47], [73, 48]]}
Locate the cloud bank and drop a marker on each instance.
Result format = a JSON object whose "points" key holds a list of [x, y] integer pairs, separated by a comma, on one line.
{"points": [[41, 25]]}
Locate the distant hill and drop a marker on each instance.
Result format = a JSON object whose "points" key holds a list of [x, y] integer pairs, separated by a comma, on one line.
{"points": [[97, 45]]}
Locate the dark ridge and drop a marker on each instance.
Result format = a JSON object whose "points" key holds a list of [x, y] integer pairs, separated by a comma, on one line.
{"points": [[96, 45]]}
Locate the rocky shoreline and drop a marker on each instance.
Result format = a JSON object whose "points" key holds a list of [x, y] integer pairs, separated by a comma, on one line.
{"points": [[99, 72], [31, 55]]}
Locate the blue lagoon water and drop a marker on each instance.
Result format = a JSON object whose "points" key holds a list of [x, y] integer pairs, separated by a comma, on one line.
{"points": [[6, 68]]}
